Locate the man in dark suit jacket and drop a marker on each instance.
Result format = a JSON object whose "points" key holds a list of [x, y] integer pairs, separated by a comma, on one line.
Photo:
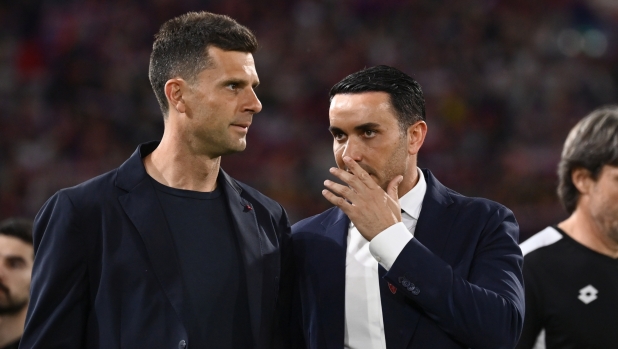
{"points": [[168, 251], [401, 261]]}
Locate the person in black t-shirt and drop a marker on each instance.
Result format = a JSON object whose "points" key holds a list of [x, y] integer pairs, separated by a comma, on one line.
{"points": [[16, 258], [571, 270], [168, 251]]}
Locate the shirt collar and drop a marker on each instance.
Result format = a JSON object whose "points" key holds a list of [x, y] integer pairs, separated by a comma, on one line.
{"points": [[412, 201]]}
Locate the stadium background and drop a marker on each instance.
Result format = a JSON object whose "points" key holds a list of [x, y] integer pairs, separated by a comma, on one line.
{"points": [[504, 81]]}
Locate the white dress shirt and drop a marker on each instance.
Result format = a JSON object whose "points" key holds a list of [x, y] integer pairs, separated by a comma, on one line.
{"points": [[364, 326]]}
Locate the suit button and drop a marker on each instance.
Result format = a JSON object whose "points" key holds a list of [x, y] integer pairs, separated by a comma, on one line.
{"points": [[182, 344], [415, 291], [406, 283]]}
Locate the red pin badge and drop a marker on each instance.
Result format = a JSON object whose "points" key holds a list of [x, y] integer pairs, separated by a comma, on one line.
{"points": [[392, 288]]}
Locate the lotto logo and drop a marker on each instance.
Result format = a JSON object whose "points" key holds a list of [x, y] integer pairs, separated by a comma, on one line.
{"points": [[588, 294]]}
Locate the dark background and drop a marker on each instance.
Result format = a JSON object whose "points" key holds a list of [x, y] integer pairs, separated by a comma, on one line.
{"points": [[504, 81]]}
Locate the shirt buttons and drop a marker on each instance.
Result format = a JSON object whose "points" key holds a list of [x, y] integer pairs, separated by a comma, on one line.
{"points": [[378, 258]]}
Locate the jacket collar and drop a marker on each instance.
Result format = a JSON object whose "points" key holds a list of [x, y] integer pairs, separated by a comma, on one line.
{"points": [[435, 220], [132, 171]]}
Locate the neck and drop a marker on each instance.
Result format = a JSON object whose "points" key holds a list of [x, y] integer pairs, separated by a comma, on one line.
{"points": [[175, 163], [584, 229], [12, 327], [410, 179]]}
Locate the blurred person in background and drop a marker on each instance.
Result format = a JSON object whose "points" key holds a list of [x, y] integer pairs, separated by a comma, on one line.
{"points": [[571, 269], [402, 261], [16, 258], [168, 251]]}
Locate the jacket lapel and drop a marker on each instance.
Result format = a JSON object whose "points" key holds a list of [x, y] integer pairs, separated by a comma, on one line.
{"points": [[436, 220], [400, 314], [141, 205], [332, 295], [249, 241]]}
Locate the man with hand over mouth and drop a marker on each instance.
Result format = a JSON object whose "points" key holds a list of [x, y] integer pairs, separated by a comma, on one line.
{"points": [[401, 261]]}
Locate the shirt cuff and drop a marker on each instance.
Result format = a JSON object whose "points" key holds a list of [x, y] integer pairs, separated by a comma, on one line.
{"points": [[386, 246]]}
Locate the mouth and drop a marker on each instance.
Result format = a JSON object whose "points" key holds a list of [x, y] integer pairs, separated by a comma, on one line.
{"points": [[241, 126]]}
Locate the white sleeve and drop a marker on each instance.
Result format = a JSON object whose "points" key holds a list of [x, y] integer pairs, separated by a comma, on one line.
{"points": [[386, 246]]}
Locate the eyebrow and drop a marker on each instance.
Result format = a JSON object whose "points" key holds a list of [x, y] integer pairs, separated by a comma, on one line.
{"points": [[333, 129], [361, 127], [240, 82], [15, 258]]}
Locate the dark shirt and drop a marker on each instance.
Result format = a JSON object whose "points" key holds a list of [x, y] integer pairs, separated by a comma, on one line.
{"points": [[571, 293], [216, 310]]}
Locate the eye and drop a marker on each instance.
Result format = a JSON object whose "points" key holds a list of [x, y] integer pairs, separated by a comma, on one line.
{"points": [[15, 263], [369, 133], [339, 136], [232, 86]]}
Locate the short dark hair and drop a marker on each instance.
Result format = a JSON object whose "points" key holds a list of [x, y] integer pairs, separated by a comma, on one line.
{"points": [[181, 47], [405, 93], [591, 144], [20, 228]]}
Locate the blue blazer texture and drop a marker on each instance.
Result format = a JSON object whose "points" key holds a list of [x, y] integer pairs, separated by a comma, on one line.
{"points": [[458, 283], [106, 274]]}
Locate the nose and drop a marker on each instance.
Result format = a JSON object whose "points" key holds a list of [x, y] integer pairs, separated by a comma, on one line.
{"points": [[352, 149], [253, 104]]}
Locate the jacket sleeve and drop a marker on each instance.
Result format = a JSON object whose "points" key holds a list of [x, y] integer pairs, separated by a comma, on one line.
{"points": [[483, 309], [58, 308]]}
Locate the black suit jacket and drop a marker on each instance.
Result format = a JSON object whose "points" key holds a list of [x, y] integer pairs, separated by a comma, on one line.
{"points": [[106, 274], [456, 284]]}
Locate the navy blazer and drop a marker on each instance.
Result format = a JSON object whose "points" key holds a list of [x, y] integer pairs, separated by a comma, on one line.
{"points": [[456, 284], [106, 274]]}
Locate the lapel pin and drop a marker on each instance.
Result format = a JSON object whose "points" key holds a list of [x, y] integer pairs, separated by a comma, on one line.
{"points": [[392, 288], [248, 207]]}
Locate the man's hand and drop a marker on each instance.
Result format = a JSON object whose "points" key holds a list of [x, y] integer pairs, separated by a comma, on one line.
{"points": [[369, 207]]}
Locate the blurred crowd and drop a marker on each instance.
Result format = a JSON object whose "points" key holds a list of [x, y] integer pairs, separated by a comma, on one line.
{"points": [[504, 81]]}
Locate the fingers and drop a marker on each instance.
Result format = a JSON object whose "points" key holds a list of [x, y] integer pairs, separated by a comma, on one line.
{"points": [[357, 170], [393, 199], [357, 178], [341, 190], [336, 200], [343, 175], [393, 187]]}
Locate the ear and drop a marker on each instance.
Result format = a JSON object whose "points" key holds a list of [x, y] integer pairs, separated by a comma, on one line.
{"points": [[174, 89], [582, 179], [416, 136]]}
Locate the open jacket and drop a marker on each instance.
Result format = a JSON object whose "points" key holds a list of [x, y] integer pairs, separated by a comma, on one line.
{"points": [[456, 284], [106, 273]]}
